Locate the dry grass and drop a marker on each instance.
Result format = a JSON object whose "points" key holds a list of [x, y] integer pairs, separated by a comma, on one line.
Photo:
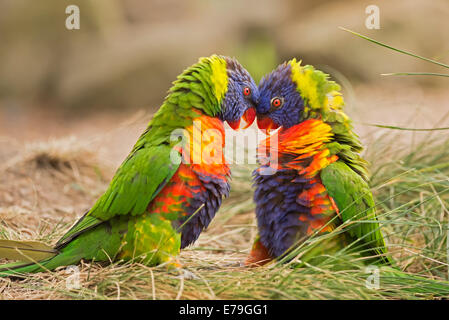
{"points": [[46, 186]]}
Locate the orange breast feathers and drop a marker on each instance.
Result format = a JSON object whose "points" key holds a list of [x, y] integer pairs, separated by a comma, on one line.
{"points": [[322, 208], [202, 155], [175, 197], [203, 146], [301, 147]]}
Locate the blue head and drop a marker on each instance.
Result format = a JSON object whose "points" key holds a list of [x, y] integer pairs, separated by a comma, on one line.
{"points": [[241, 96], [280, 104]]}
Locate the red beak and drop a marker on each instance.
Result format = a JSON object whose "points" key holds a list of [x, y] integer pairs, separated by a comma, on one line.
{"points": [[249, 116], [265, 123], [234, 124]]}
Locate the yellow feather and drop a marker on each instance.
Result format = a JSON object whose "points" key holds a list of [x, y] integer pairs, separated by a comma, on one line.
{"points": [[219, 76]]}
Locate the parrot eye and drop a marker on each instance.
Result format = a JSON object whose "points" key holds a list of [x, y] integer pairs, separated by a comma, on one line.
{"points": [[277, 102], [246, 91]]}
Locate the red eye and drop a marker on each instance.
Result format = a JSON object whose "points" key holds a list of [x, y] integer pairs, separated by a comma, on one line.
{"points": [[276, 102], [246, 91]]}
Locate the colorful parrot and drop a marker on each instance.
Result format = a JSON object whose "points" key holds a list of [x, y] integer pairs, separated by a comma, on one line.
{"points": [[311, 177], [166, 191]]}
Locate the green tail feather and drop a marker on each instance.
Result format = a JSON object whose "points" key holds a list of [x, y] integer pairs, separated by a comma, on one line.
{"points": [[100, 244], [28, 251], [20, 268]]}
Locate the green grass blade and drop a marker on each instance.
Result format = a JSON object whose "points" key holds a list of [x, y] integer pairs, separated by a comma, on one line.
{"points": [[395, 49], [404, 129], [415, 74]]}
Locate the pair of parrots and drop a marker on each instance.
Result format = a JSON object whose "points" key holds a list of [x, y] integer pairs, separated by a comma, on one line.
{"points": [[164, 194]]}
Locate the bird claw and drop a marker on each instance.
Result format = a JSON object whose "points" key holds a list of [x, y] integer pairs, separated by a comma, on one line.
{"points": [[187, 275]]}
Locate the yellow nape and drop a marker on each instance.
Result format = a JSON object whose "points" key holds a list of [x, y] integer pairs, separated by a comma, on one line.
{"points": [[306, 85], [319, 93], [219, 76]]}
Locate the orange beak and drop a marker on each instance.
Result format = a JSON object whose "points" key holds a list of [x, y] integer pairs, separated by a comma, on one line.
{"points": [[249, 116], [234, 124], [265, 123]]}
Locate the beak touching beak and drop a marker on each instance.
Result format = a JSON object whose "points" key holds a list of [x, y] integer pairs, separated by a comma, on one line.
{"points": [[265, 123]]}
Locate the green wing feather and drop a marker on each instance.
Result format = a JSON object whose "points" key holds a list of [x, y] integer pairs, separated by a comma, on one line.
{"points": [[140, 178], [136, 183], [356, 204], [148, 167]]}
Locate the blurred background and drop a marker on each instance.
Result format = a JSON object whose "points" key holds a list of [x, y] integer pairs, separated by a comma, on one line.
{"points": [[121, 62], [73, 103]]}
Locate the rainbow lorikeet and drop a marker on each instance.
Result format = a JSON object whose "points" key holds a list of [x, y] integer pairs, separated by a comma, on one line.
{"points": [[166, 191], [311, 177]]}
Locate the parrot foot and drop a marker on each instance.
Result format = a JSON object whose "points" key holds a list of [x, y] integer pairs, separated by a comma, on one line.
{"points": [[187, 275], [258, 256], [173, 265], [183, 273], [250, 262]]}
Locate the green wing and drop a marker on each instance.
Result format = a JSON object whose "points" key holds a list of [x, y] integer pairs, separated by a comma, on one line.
{"points": [[136, 183], [355, 203]]}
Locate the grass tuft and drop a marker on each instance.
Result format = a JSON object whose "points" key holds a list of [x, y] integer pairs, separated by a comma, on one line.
{"points": [[411, 187]]}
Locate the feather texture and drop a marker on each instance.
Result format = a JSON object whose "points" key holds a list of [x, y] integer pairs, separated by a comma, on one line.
{"points": [[26, 251], [319, 179], [152, 193]]}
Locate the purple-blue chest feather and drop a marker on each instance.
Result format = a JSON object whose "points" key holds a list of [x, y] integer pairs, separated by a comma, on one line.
{"points": [[278, 208], [211, 196]]}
